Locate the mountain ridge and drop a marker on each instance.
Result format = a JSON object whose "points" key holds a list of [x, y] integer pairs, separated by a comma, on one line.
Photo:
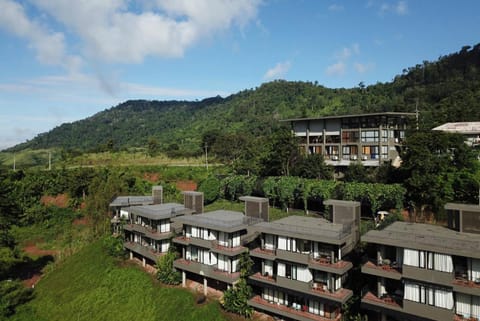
{"points": [[447, 89]]}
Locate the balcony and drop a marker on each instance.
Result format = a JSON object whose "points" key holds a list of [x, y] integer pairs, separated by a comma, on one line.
{"points": [[463, 285], [457, 317], [427, 311], [391, 271], [144, 251], [296, 257], [325, 264], [147, 231], [226, 250], [310, 288], [427, 275], [209, 271], [263, 253], [289, 312], [386, 302]]}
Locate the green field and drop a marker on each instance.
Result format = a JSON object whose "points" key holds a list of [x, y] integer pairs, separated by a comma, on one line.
{"points": [[93, 286]]}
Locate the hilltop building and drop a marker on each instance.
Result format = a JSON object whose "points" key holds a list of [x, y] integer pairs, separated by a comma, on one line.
{"points": [[425, 272], [370, 139], [301, 264], [470, 130]]}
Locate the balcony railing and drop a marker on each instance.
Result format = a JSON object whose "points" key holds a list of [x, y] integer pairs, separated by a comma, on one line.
{"points": [[298, 313]]}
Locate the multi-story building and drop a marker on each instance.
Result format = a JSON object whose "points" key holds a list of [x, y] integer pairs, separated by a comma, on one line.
{"points": [[425, 272], [469, 130], [146, 222], [369, 138], [211, 244], [148, 230], [301, 264]]}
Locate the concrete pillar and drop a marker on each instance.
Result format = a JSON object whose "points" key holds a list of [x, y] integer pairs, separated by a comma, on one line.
{"points": [[380, 282], [144, 262], [205, 286], [383, 317], [184, 279], [263, 267], [131, 255]]}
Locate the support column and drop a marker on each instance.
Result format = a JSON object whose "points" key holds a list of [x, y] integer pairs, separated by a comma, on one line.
{"points": [[131, 255], [144, 262], [184, 279], [383, 317], [205, 286]]}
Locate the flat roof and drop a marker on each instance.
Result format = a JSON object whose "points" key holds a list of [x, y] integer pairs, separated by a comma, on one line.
{"points": [[253, 199], [426, 237], [157, 211], [307, 228], [391, 113], [131, 200], [222, 220], [342, 203], [462, 207], [472, 127]]}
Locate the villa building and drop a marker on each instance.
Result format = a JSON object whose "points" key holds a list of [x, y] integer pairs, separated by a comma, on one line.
{"points": [[301, 264], [147, 223], [211, 244], [469, 130], [371, 139], [425, 272]]}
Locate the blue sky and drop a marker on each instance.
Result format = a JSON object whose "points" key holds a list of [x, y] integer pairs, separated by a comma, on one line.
{"points": [[63, 60]]}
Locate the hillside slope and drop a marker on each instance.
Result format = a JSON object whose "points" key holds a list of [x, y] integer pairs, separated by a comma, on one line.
{"points": [[90, 286], [445, 90]]}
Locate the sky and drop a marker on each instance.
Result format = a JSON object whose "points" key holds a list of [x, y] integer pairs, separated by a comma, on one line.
{"points": [[64, 60]]}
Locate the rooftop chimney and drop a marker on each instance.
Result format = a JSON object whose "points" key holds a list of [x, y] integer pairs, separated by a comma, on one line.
{"points": [[256, 207], [193, 200], [157, 194]]}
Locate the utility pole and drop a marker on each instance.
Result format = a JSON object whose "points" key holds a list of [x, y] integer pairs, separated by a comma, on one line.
{"points": [[206, 156], [49, 160], [416, 111], [14, 162]]}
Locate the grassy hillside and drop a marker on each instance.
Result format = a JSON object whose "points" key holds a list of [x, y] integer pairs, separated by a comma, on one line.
{"points": [[443, 90], [91, 286]]}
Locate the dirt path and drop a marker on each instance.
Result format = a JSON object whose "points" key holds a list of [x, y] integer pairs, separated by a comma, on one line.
{"points": [[31, 275]]}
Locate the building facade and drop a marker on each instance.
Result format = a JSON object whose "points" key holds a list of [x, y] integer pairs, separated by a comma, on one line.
{"points": [[301, 266], [371, 139], [145, 222], [425, 272], [211, 244]]}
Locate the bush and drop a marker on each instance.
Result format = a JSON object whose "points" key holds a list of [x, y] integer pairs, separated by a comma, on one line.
{"points": [[210, 188], [12, 294], [113, 245], [166, 272]]}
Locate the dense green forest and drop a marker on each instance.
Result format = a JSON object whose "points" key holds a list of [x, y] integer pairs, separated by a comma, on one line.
{"points": [[444, 90]]}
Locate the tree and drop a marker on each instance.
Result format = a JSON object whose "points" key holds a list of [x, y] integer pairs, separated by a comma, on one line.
{"points": [[235, 298], [210, 187], [12, 294], [434, 164], [152, 147], [312, 166], [166, 272]]}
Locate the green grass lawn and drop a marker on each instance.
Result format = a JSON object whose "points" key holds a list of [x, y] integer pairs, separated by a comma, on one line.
{"points": [[92, 286]]}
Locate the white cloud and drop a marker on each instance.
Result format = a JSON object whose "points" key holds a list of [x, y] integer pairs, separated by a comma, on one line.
{"points": [[400, 8], [363, 68], [278, 71], [347, 52], [335, 7], [49, 46], [163, 28], [337, 69]]}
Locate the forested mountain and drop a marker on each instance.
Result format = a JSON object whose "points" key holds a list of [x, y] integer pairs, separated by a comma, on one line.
{"points": [[444, 90]]}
